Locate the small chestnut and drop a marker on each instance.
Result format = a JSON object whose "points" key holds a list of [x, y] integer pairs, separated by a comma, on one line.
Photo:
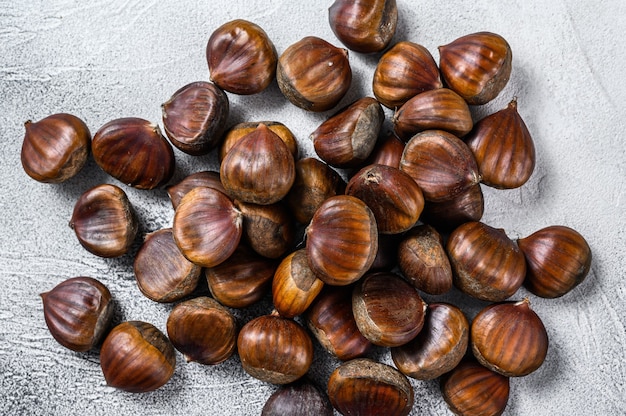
{"points": [[294, 285]]}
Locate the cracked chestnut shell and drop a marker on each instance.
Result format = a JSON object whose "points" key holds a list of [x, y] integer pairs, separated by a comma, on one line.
{"points": [[78, 312], [302, 398], [134, 151], [476, 66], [55, 148], [241, 57]]}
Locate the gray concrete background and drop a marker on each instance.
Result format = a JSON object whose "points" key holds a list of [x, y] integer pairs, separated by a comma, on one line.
{"points": [[106, 59]]}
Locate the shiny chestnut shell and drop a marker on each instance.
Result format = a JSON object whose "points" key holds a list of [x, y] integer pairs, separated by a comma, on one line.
{"points": [[274, 349], [446, 215], [134, 151], [342, 224], [387, 151], [509, 338], [365, 387], [241, 57], [207, 178], [55, 148], [558, 258], [137, 357], [78, 312], [302, 398], [239, 130], [267, 229]]}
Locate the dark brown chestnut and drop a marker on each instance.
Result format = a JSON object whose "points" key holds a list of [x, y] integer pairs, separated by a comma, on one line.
{"points": [[195, 117], [239, 130], [104, 221], [274, 349], [365, 387], [137, 357], [447, 215], [203, 330], [206, 178], [302, 398], [134, 151], [162, 273], [267, 229], [241, 57], [55, 148], [438, 348], [78, 312], [387, 151]]}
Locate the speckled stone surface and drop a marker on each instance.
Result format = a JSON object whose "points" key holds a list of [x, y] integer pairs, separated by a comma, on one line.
{"points": [[102, 60]]}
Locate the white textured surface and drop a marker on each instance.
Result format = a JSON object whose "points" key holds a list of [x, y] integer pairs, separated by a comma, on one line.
{"points": [[107, 59]]}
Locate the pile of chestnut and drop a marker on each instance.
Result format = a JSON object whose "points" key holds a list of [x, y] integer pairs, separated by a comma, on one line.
{"points": [[344, 242]]}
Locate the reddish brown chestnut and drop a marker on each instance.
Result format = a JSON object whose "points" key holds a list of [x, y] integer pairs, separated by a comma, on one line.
{"points": [[206, 178], [267, 229], [295, 285], [387, 151], [447, 215], [236, 132]]}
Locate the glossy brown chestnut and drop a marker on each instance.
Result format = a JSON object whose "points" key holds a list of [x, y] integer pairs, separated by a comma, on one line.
{"points": [[486, 263], [195, 117], [55, 148], [137, 357], [78, 312], [259, 168], [438, 109], [503, 148], [447, 215], [331, 321], [206, 178], [365, 26], [207, 226], [387, 310], [241, 57], [423, 260], [203, 330], [346, 139], [387, 151], [441, 164], [473, 390], [438, 348], [393, 196], [134, 151], [387, 254], [342, 224], [476, 66], [314, 183], [267, 229], [302, 398], [404, 71], [294, 286], [104, 221], [239, 130], [558, 259], [274, 349], [314, 74], [509, 338], [242, 279], [366, 387], [162, 273]]}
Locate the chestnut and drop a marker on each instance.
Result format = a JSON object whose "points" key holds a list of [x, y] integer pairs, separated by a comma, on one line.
{"points": [[239, 130], [447, 215], [387, 151], [137, 357], [78, 312], [203, 330], [104, 221], [206, 178], [274, 349], [55, 148], [302, 398], [363, 386]]}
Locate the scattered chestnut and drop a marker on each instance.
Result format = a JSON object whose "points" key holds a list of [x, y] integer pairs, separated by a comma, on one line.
{"points": [[404, 71], [137, 357], [441, 164], [78, 312], [104, 221], [259, 168], [162, 273], [341, 240], [195, 117], [346, 139], [203, 330], [207, 226], [473, 390], [239, 130], [206, 178], [55, 148], [241, 57], [486, 263], [423, 260], [302, 398], [314, 74], [267, 229], [274, 349], [365, 26], [295, 285], [365, 387], [438, 348], [134, 151], [467, 206], [476, 66], [509, 338]]}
